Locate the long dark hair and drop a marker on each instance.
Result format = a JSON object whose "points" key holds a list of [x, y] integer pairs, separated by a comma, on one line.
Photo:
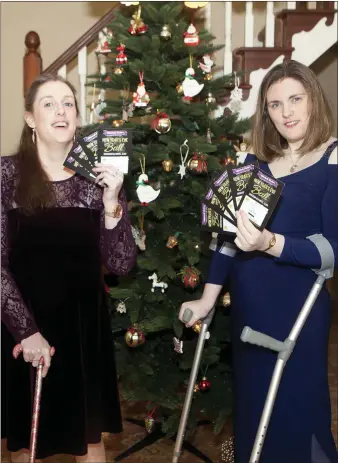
{"points": [[33, 189], [267, 142]]}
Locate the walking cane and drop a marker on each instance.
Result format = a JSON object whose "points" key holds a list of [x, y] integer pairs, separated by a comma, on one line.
{"points": [[203, 335], [285, 348], [36, 404]]}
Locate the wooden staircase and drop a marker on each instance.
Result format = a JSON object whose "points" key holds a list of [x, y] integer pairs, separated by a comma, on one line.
{"points": [[284, 36]]}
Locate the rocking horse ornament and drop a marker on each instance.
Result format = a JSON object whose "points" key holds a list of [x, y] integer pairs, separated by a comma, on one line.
{"points": [[157, 284]]}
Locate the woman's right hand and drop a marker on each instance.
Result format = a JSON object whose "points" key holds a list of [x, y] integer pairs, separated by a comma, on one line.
{"points": [[200, 309], [33, 348]]}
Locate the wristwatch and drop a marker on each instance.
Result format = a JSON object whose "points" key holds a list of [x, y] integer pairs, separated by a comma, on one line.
{"points": [[116, 213], [272, 242]]}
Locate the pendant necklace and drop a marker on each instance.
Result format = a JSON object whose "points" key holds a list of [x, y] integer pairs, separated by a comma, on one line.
{"points": [[294, 166]]}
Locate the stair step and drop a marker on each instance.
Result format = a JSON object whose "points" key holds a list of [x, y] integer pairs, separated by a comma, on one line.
{"points": [[248, 59], [290, 22]]}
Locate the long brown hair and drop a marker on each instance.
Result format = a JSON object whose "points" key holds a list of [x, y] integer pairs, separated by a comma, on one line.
{"points": [[33, 188], [267, 143]]}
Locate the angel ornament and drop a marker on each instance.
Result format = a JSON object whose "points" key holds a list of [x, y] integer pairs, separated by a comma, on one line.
{"points": [[206, 64], [103, 42], [121, 307], [190, 85], [139, 237], [145, 192], [178, 345], [236, 97], [139, 234], [242, 152], [184, 157]]}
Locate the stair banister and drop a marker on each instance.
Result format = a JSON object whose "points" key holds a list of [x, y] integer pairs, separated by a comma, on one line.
{"points": [[31, 68]]}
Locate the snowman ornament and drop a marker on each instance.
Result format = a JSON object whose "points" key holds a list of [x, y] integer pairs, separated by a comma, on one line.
{"points": [[190, 85]]}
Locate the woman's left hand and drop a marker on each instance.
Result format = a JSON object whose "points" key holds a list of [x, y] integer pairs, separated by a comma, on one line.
{"points": [[249, 238], [111, 179]]}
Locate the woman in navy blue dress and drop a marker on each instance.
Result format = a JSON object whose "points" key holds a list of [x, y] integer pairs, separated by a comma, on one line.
{"points": [[271, 274]]}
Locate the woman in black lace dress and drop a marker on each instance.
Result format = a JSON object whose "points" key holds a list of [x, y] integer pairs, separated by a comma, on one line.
{"points": [[57, 230]]}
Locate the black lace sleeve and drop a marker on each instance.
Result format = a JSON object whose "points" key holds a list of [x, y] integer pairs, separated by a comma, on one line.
{"points": [[118, 248], [14, 313]]}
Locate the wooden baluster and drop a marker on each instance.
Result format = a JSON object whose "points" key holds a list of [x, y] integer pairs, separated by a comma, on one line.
{"points": [[82, 69], [207, 16], [32, 62], [269, 25], [301, 6], [249, 25], [62, 72], [325, 5], [227, 39]]}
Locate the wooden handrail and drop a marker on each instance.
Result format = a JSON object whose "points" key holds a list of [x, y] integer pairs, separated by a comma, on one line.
{"points": [[33, 63], [86, 39]]}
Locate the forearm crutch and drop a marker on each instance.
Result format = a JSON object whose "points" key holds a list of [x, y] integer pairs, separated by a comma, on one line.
{"points": [[285, 348], [203, 335], [36, 403]]}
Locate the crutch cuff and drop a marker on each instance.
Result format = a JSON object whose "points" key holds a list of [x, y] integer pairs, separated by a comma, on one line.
{"points": [[326, 254]]}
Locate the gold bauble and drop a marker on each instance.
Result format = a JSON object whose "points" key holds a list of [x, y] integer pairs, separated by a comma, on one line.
{"points": [[173, 240], [179, 89], [165, 32], [193, 164], [134, 337], [198, 164], [149, 423], [167, 165], [118, 123], [118, 71], [210, 99], [197, 326], [196, 387], [208, 76], [163, 125], [226, 300]]}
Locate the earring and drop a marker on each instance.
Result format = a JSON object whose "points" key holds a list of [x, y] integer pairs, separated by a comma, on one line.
{"points": [[33, 135]]}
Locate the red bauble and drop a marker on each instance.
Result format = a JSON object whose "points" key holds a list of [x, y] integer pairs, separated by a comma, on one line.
{"points": [[204, 384], [190, 277]]}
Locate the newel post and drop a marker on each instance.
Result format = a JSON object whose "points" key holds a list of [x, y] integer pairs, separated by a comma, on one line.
{"points": [[32, 62]]}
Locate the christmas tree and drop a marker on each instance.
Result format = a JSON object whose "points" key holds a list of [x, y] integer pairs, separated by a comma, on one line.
{"points": [[156, 78]]}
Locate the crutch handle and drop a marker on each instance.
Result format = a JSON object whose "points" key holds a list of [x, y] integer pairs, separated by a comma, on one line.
{"points": [[188, 313], [261, 339]]}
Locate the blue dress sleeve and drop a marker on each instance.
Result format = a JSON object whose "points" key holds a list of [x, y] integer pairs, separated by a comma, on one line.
{"points": [[221, 262], [302, 252]]}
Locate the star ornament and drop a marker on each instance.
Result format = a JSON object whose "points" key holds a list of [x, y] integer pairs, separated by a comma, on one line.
{"points": [[181, 171]]}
